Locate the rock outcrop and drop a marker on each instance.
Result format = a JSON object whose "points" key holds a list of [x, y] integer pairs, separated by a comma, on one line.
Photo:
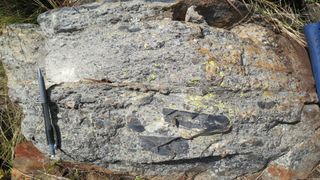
{"points": [[134, 89]]}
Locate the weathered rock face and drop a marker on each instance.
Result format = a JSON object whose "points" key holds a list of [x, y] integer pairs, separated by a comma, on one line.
{"points": [[133, 90]]}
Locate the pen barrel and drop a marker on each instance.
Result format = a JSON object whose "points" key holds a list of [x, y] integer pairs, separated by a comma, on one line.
{"points": [[42, 87], [48, 124], [49, 127]]}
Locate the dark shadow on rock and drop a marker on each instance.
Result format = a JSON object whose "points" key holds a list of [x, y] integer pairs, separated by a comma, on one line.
{"points": [[217, 13], [208, 122], [54, 110]]}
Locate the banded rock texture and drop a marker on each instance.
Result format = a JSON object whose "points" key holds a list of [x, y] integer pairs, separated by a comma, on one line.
{"points": [[134, 89]]}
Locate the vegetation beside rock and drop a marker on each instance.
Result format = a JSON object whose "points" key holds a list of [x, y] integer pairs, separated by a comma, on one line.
{"points": [[283, 16], [10, 134], [27, 11]]}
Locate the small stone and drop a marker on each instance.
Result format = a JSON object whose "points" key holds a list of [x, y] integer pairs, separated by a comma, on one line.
{"points": [[193, 16], [70, 104], [136, 125], [266, 105], [87, 99]]}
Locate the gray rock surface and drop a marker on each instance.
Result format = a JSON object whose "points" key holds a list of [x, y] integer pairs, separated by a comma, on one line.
{"points": [[132, 90]]}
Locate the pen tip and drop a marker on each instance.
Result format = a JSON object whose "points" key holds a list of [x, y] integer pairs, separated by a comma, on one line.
{"points": [[40, 73]]}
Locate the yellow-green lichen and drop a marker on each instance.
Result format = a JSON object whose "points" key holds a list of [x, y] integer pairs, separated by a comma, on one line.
{"points": [[220, 105], [157, 65], [211, 104], [194, 81], [232, 112], [197, 102], [146, 46], [222, 84], [172, 106], [152, 77], [267, 94], [208, 96], [200, 102], [221, 74], [211, 68]]}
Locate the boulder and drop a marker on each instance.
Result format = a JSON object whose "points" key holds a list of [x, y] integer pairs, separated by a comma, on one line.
{"points": [[133, 89]]}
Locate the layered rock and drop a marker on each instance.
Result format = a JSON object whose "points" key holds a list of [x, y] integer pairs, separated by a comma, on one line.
{"points": [[133, 89]]}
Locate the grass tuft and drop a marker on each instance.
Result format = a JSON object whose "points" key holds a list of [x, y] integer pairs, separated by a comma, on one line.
{"points": [[283, 17], [26, 11]]}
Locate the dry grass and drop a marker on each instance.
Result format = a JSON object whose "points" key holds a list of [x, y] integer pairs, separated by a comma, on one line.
{"points": [[10, 118], [53, 4], [26, 11], [284, 18]]}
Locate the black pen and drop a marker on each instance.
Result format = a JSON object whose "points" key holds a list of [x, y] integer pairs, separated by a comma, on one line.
{"points": [[49, 126]]}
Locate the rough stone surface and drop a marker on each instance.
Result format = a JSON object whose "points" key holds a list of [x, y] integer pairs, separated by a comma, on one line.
{"points": [[30, 163], [133, 90], [27, 159]]}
